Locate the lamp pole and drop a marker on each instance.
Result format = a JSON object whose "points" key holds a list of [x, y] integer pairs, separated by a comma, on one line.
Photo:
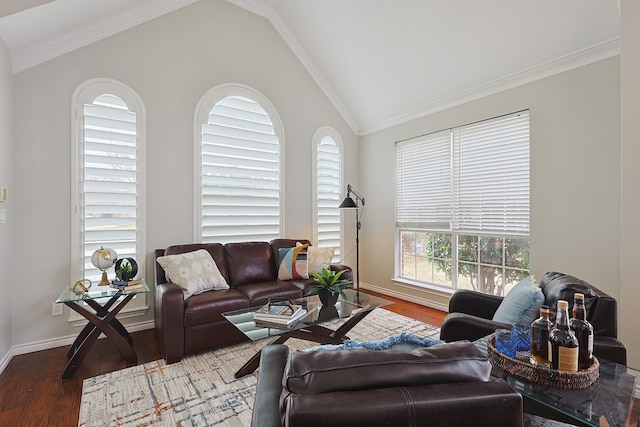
{"points": [[349, 203]]}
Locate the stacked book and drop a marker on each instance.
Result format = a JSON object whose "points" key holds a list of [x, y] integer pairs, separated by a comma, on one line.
{"points": [[127, 285], [278, 316]]}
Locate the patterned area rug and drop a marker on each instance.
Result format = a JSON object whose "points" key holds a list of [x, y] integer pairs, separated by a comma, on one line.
{"points": [[201, 390]]}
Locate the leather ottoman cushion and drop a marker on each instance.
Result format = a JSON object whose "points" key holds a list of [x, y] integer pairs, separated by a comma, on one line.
{"points": [[341, 370], [208, 307]]}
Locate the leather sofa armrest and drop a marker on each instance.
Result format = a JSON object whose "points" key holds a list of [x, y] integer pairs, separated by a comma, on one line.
{"points": [[347, 275], [609, 348], [169, 321], [460, 326], [474, 303], [266, 406]]}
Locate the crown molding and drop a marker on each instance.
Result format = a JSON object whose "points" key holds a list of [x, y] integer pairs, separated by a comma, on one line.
{"points": [[568, 62], [23, 59]]}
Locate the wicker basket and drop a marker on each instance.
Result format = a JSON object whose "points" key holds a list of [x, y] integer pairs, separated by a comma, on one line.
{"points": [[539, 374]]}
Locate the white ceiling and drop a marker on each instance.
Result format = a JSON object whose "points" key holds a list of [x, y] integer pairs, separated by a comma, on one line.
{"points": [[381, 62]]}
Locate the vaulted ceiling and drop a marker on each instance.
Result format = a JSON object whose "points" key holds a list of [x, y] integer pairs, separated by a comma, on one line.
{"points": [[381, 62]]}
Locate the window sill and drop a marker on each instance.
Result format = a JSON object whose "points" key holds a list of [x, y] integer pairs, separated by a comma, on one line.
{"points": [[435, 289]]}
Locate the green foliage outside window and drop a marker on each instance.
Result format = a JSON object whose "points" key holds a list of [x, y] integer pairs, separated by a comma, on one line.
{"points": [[486, 264]]}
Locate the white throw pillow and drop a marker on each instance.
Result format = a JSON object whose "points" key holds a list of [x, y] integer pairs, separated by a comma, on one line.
{"points": [[319, 258], [195, 272]]}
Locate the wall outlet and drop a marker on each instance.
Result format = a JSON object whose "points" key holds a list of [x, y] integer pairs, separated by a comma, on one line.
{"points": [[56, 309]]}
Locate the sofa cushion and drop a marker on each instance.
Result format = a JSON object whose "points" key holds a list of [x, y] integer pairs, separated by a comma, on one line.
{"points": [[259, 293], [319, 258], [326, 371], [250, 262], [195, 272], [521, 306], [208, 307], [292, 263]]}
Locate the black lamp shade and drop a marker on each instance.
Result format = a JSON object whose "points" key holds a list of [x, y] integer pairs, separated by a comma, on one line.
{"points": [[348, 203]]}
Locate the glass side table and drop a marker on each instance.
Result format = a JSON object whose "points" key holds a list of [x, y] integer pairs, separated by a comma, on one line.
{"points": [[107, 303]]}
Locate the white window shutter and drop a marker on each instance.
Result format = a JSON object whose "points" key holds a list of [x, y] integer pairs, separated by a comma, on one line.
{"points": [[109, 180], [240, 173], [328, 159]]}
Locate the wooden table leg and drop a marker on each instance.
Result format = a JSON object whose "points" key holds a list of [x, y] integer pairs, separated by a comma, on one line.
{"points": [[313, 333], [103, 321]]}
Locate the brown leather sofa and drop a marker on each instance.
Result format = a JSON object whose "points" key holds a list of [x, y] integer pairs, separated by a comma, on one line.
{"points": [[196, 324], [443, 385], [470, 314]]}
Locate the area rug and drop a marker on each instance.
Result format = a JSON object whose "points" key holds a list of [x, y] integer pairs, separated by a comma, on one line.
{"points": [[201, 390]]}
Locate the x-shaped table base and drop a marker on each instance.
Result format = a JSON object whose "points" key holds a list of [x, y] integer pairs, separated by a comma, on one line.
{"points": [[102, 321]]}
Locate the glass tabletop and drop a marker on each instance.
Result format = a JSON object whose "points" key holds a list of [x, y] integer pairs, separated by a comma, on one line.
{"points": [[316, 314], [98, 292], [610, 398]]}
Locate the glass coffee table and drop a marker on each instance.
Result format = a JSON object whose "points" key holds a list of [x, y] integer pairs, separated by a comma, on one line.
{"points": [[606, 402], [351, 311]]}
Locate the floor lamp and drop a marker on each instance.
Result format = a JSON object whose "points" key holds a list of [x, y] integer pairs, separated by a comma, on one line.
{"points": [[349, 203]]}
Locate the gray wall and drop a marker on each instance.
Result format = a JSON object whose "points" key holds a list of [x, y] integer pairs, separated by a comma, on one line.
{"points": [[575, 177], [170, 62], [630, 159], [6, 230]]}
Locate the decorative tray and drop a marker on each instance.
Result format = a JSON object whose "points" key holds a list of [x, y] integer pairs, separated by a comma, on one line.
{"points": [[521, 368]]}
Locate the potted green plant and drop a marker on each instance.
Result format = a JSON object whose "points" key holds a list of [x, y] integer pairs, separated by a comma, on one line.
{"points": [[328, 285], [126, 269]]}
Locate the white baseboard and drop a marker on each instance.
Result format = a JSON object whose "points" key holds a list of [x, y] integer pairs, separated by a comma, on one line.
{"points": [[410, 298], [59, 342]]}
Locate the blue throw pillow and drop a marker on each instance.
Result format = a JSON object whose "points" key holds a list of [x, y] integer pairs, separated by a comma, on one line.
{"points": [[522, 304]]}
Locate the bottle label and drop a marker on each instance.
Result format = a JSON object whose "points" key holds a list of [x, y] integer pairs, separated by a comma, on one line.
{"points": [[568, 359], [590, 344]]}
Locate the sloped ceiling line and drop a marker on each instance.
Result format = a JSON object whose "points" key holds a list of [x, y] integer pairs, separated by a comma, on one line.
{"points": [[23, 59]]}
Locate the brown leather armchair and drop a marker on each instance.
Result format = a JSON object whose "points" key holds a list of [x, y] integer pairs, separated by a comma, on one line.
{"points": [[443, 385], [470, 314]]}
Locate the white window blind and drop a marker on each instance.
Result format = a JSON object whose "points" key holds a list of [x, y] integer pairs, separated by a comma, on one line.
{"points": [[109, 180], [473, 178], [328, 158], [240, 173], [424, 187], [491, 175]]}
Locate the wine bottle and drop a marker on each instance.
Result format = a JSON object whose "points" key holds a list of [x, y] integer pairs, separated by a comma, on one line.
{"points": [[583, 331], [563, 344], [540, 329]]}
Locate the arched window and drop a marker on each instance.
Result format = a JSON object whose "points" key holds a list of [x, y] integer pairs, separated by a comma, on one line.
{"points": [[108, 157], [239, 186], [327, 185]]}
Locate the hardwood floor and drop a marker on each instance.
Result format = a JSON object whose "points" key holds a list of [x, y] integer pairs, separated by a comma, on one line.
{"points": [[32, 392]]}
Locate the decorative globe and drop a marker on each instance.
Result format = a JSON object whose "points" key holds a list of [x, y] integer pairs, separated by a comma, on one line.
{"points": [[103, 259]]}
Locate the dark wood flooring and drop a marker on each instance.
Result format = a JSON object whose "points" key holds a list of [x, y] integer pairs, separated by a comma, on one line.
{"points": [[32, 392]]}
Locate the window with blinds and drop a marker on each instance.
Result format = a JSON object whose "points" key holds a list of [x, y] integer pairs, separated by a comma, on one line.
{"points": [[328, 180], [463, 205], [240, 173], [108, 189]]}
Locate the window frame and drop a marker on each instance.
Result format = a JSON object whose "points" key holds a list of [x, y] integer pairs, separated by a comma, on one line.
{"points": [[86, 93], [317, 139]]}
